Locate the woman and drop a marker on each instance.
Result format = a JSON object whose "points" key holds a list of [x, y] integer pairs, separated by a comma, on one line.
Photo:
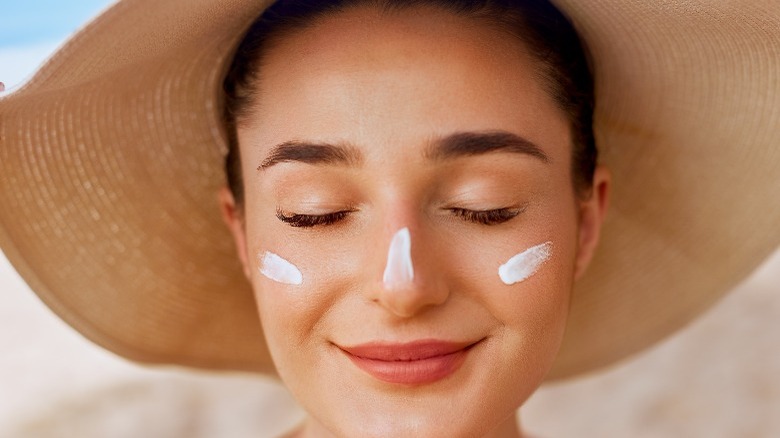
{"points": [[413, 194]]}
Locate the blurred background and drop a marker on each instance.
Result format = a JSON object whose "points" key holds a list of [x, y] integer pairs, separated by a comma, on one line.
{"points": [[716, 378]]}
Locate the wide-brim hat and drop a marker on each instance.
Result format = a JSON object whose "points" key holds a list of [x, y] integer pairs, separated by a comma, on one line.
{"points": [[111, 157]]}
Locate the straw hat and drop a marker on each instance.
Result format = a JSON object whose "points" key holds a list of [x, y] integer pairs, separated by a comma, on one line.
{"points": [[112, 154]]}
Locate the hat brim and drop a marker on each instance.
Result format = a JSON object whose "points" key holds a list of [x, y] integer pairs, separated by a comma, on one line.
{"points": [[112, 155]]}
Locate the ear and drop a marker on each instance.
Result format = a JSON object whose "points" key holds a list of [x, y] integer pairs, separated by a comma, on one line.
{"points": [[234, 219], [592, 212]]}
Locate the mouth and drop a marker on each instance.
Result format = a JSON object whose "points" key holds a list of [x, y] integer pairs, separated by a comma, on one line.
{"points": [[413, 363]]}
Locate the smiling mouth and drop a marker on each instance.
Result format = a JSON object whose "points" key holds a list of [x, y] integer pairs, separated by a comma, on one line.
{"points": [[413, 363]]}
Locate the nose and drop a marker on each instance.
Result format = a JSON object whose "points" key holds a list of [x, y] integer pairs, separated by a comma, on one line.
{"points": [[410, 282], [399, 269]]}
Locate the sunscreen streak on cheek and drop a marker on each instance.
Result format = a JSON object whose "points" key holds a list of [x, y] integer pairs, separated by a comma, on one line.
{"points": [[399, 269], [525, 264], [279, 269]]}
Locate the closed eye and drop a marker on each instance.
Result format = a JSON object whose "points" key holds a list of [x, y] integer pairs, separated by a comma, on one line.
{"points": [[487, 217], [483, 217], [311, 220]]}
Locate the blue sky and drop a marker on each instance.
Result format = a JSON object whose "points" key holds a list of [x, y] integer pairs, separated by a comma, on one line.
{"points": [[31, 29]]}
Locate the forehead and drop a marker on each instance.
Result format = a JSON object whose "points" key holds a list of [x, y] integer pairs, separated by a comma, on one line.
{"points": [[386, 33], [401, 76]]}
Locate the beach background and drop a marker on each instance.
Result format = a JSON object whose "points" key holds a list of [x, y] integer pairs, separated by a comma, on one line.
{"points": [[716, 378]]}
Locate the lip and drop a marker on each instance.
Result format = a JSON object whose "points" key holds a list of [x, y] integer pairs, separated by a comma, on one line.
{"points": [[413, 363]]}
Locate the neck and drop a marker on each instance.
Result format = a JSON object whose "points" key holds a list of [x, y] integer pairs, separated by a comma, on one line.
{"points": [[510, 428]]}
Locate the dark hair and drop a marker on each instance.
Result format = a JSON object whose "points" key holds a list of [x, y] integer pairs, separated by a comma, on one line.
{"points": [[549, 35]]}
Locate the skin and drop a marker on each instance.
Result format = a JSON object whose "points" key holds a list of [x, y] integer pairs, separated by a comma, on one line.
{"points": [[388, 85]]}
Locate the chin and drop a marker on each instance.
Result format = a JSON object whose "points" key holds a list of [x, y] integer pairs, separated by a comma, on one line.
{"points": [[431, 424], [473, 410]]}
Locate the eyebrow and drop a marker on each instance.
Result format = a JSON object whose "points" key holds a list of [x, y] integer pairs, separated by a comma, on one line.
{"points": [[460, 144], [313, 153], [463, 144]]}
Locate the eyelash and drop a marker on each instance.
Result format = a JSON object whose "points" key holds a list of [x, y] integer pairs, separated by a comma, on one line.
{"points": [[487, 217], [311, 220], [483, 217]]}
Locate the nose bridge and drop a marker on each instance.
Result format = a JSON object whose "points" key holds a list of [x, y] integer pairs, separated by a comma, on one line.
{"points": [[409, 282], [399, 267]]}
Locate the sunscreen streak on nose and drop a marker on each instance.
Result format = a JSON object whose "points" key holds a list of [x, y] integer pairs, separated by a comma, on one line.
{"points": [[525, 264], [279, 269], [399, 269]]}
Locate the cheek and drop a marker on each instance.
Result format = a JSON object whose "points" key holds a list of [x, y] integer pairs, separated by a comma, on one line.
{"points": [[531, 312], [535, 302], [294, 316], [540, 302], [537, 308]]}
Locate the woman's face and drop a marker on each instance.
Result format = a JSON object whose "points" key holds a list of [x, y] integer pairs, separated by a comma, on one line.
{"points": [[430, 134]]}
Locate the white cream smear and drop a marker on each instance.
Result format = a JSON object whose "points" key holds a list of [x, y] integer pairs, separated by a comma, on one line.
{"points": [[399, 269], [279, 269], [525, 264]]}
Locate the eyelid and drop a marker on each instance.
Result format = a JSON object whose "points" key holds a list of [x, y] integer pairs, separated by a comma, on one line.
{"points": [[312, 220], [493, 216], [475, 207], [488, 217]]}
